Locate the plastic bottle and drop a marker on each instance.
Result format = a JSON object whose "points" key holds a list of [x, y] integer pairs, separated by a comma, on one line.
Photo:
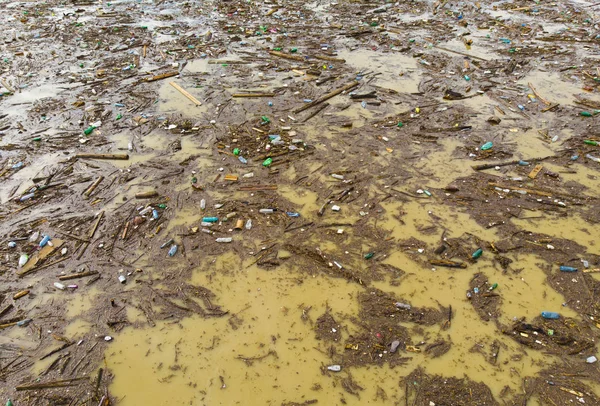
{"points": [[45, 241], [550, 315], [592, 158], [292, 214], [477, 253], [210, 219], [494, 286], [266, 211], [12, 244], [166, 243], [369, 255], [89, 130], [122, 278], [26, 197], [267, 162], [146, 210], [59, 285], [567, 269], [248, 224], [336, 176], [591, 142], [236, 151], [242, 159], [202, 204], [334, 368], [154, 214], [18, 165], [404, 306], [486, 146], [173, 250], [224, 239], [23, 260]]}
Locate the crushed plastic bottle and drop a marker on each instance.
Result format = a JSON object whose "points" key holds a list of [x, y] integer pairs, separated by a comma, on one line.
{"points": [[23, 260], [34, 237], [248, 224], [486, 146]]}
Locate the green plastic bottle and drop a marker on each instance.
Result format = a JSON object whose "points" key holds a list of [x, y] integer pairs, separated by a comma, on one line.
{"points": [[89, 130], [267, 162], [591, 142], [494, 286], [9, 403], [369, 255], [477, 253]]}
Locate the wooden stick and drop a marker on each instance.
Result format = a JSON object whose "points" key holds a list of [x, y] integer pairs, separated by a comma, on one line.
{"points": [[39, 268], [6, 310], [317, 111], [287, 56], [7, 86], [546, 102], [253, 95], [72, 236], [461, 53], [146, 195], [53, 384], [185, 93], [77, 275], [228, 62], [162, 76], [328, 96], [258, 187], [95, 227], [103, 156], [20, 294], [93, 186], [7, 325], [329, 58]]}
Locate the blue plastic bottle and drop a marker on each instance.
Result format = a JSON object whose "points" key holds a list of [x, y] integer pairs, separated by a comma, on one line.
{"points": [[173, 250], [567, 269], [45, 241], [550, 315]]}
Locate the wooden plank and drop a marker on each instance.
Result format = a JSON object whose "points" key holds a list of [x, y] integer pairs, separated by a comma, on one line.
{"points": [[535, 171], [185, 93]]}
